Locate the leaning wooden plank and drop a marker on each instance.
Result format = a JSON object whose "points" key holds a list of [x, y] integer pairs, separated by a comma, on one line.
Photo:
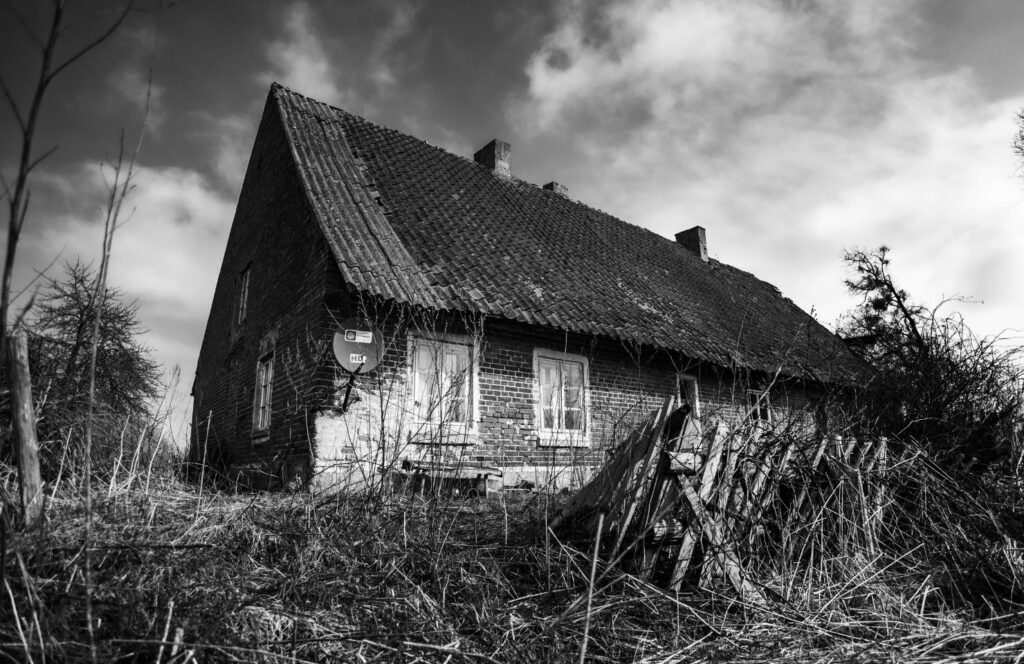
{"points": [[642, 452], [863, 452], [714, 461], [754, 472], [683, 558], [850, 444], [604, 490], [718, 540], [882, 460], [643, 483], [726, 483], [732, 456], [869, 460], [664, 511], [661, 500]]}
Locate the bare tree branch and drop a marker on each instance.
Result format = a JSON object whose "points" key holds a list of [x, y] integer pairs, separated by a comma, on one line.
{"points": [[111, 29], [13, 104], [24, 25], [39, 159]]}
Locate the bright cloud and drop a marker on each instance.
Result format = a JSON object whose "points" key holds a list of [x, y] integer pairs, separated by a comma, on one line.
{"points": [[300, 61], [790, 131], [166, 253], [231, 138], [353, 74]]}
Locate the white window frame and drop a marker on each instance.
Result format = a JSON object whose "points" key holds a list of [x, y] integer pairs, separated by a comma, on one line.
{"points": [[689, 387], [556, 437], [760, 413], [243, 296], [428, 428], [263, 399]]}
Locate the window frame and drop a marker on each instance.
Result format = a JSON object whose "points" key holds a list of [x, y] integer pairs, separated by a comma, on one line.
{"points": [[561, 437], [758, 410], [684, 381], [242, 310], [263, 398], [423, 428]]}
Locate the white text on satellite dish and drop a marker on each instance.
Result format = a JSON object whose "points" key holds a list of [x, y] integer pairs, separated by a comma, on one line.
{"points": [[359, 337]]}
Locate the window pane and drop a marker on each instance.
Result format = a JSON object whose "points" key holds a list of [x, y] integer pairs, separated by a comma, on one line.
{"points": [[442, 382], [264, 393], [454, 380], [573, 385], [425, 389], [549, 397], [572, 418]]}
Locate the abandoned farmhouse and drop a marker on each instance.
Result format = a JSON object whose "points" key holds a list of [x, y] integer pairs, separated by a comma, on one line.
{"points": [[506, 325]]}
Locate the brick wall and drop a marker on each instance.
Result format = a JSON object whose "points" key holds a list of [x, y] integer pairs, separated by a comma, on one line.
{"points": [[625, 385], [275, 235]]}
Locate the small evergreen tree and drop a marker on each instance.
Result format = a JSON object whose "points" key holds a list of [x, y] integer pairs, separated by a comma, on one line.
{"points": [[127, 378]]}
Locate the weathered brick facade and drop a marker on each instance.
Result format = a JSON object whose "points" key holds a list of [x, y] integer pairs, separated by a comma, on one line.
{"points": [[305, 220], [276, 239], [624, 386]]}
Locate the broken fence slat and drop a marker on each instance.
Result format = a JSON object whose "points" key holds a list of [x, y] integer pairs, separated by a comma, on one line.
{"points": [[682, 563], [718, 540], [635, 489], [726, 484], [605, 489], [713, 462]]}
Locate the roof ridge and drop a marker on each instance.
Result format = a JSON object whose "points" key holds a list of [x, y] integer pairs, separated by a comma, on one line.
{"points": [[514, 179]]}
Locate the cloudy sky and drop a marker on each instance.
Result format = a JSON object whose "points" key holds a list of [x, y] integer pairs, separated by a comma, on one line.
{"points": [[790, 129]]}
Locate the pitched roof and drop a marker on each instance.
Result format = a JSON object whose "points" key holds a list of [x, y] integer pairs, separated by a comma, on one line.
{"points": [[411, 222]]}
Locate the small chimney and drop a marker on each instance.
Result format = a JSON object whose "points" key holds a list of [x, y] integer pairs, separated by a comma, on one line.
{"points": [[495, 156], [559, 189], [695, 241]]}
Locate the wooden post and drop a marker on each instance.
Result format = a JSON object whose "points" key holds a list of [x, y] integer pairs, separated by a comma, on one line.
{"points": [[24, 425]]}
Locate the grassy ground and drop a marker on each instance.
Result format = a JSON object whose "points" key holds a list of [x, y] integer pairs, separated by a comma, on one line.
{"points": [[176, 574]]}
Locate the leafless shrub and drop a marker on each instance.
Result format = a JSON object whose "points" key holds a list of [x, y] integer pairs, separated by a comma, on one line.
{"points": [[936, 382]]}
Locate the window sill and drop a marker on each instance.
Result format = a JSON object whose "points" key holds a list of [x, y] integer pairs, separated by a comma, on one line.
{"points": [[554, 438], [261, 436], [461, 436]]}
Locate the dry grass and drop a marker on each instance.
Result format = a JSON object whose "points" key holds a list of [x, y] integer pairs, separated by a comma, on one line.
{"points": [[300, 578]]}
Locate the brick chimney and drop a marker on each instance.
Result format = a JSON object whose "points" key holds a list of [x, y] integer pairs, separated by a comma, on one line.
{"points": [[495, 156], [695, 241], [559, 189]]}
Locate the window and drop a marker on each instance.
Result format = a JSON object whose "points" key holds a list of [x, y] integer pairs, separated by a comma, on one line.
{"points": [[243, 295], [442, 382], [688, 393], [759, 407], [561, 397], [264, 394]]}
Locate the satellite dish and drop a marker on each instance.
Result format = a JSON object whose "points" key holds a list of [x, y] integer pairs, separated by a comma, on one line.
{"points": [[357, 346]]}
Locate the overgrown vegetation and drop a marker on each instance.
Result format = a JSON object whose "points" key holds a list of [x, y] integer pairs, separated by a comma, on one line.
{"points": [[936, 382], [913, 559], [186, 575], [61, 326]]}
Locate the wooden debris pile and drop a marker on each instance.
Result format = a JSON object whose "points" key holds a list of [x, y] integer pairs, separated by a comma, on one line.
{"points": [[675, 503]]}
